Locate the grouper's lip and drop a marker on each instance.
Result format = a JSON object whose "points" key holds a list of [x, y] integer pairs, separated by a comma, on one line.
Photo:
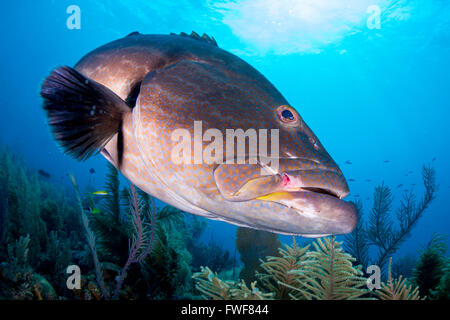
{"points": [[274, 195], [290, 194], [320, 205]]}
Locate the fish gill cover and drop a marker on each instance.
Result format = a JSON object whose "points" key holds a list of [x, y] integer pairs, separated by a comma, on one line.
{"points": [[368, 77]]}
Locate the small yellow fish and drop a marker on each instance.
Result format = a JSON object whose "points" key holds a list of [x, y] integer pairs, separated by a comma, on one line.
{"points": [[100, 193]]}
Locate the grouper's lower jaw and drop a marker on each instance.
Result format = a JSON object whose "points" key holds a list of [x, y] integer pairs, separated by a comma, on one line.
{"points": [[324, 213]]}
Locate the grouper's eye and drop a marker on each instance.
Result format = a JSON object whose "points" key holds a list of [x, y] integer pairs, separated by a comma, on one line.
{"points": [[287, 115]]}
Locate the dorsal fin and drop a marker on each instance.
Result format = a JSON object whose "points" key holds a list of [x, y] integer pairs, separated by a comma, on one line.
{"points": [[196, 36], [134, 33]]}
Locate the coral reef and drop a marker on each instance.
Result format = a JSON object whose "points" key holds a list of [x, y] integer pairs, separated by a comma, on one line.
{"points": [[16, 273], [380, 231], [324, 272], [45, 228], [430, 267], [211, 287], [281, 270], [329, 274], [127, 248], [404, 266], [142, 238], [442, 292], [210, 254], [110, 223], [41, 220], [397, 289]]}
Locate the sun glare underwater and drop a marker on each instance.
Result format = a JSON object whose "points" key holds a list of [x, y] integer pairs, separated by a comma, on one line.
{"points": [[122, 176]]}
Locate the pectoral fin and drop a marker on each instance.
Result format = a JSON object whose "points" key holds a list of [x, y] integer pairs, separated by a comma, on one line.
{"points": [[241, 182], [83, 114]]}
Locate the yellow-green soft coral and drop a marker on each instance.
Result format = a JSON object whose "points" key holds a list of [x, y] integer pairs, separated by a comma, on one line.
{"points": [[325, 272], [278, 271], [397, 289], [211, 287], [328, 274]]}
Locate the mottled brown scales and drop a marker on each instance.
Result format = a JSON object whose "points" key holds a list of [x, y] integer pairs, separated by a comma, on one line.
{"points": [[181, 80]]}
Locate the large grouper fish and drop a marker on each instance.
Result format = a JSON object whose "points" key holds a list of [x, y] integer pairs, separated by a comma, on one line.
{"points": [[141, 102]]}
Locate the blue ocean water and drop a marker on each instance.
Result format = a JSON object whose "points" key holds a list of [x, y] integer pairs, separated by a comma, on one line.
{"points": [[377, 95]]}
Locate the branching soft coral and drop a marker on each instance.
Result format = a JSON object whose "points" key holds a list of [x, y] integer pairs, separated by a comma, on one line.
{"points": [[90, 236], [170, 217], [357, 242], [324, 273], [211, 287], [278, 270], [397, 289], [442, 291], [381, 230], [329, 274], [111, 225], [142, 239], [140, 244], [431, 265]]}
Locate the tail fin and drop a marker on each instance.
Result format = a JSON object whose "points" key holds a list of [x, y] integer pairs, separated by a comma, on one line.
{"points": [[83, 113]]}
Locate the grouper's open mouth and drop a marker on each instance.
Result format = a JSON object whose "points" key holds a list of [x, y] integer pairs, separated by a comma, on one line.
{"points": [[307, 201], [321, 208]]}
